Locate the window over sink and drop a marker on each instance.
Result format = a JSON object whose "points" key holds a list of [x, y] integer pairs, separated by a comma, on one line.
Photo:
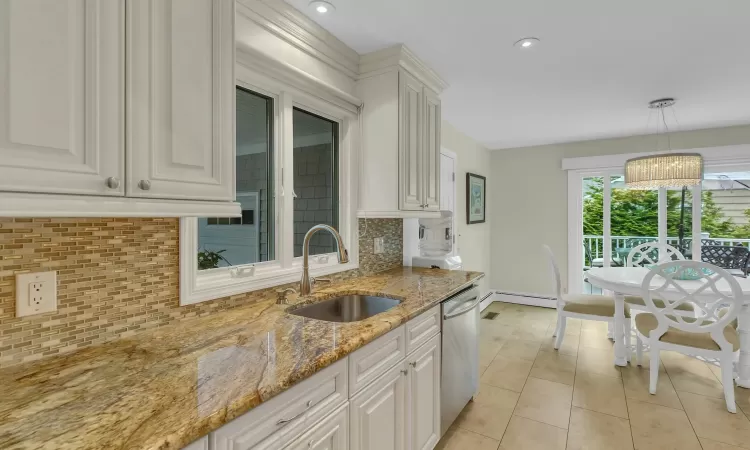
{"points": [[293, 169]]}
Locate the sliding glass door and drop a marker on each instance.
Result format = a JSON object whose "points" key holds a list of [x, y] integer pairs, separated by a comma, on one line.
{"points": [[614, 219], [710, 222]]}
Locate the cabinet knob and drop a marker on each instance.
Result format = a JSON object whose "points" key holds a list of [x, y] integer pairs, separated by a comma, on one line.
{"points": [[112, 182], [144, 185], [404, 371], [413, 364]]}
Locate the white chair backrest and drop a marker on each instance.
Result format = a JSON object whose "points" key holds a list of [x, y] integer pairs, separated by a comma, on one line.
{"points": [[716, 292], [555, 271], [652, 253]]}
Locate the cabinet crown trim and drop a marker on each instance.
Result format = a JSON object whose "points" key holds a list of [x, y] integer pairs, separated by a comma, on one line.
{"points": [[291, 25], [400, 56]]}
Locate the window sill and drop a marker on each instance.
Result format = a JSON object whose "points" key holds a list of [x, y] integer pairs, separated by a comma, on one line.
{"points": [[222, 283]]}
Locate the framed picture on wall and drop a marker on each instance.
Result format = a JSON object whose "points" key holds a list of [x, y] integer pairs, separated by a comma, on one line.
{"points": [[476, 198]]}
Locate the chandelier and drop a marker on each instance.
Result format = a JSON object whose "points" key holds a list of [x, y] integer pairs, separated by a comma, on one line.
{"points": [[664, 170]]}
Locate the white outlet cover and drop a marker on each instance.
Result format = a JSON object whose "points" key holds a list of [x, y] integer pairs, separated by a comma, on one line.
{"points": [[36, 293], [379, 245]]}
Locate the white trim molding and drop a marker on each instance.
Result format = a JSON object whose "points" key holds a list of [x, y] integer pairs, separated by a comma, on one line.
{"points": [[49, 205], [196, 287], [524, 298], [284, 72], [290, 25], [725, 155], [400, 56]]}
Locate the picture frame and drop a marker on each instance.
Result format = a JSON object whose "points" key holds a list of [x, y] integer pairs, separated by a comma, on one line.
{"points": [[476, 198]]}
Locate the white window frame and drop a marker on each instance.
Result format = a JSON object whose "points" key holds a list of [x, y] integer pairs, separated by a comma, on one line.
{"points": [[287, 92], [608, 165]]}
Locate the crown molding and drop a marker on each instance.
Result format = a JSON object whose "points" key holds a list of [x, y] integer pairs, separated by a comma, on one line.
{"points": [[400, 56], [292, 26]]}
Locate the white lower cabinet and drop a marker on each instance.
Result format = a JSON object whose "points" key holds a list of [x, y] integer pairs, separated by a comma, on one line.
{"points": [[330, 434], [388, 408], [378, 413], [401, 409], [424, 395]]}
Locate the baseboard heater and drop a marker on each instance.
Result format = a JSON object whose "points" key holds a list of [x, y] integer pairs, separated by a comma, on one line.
{"points": [[486, 300], [523, 298]]}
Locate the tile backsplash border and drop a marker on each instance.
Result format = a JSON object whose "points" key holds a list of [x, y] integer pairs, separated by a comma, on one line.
{"points": [[120, 276]]}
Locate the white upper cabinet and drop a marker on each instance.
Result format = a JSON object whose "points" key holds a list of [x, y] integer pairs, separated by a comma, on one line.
{"points": [[180, 99], [61, 89], [400, 135], [431, 150], [117, 108], [411, 143]]}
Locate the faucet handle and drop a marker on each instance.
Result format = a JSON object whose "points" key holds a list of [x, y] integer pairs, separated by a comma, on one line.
{"points": [[325, 280], [281, 295], [314, 280]]}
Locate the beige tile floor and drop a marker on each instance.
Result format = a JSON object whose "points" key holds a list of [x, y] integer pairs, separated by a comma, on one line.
{"points": [[533, 397]]}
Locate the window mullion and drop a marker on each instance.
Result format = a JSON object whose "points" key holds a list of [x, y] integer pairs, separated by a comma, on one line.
{"points": [[286, 175], [662, 216], [697, 192]]}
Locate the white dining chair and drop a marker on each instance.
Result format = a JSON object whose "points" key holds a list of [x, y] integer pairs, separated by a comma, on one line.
{"points": [[713, 335], [651, 253], [580, 306]]}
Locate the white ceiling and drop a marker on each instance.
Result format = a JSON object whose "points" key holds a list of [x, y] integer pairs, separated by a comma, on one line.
{"points": [[598, 65]]}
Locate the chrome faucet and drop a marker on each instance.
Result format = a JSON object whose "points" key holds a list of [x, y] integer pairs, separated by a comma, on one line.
{"points": [[306, 284]]}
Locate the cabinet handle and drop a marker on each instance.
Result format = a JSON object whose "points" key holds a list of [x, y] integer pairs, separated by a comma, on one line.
{"points": [[144, 185], [285, 421], [413, 364], [112, 182], [404, 371]]}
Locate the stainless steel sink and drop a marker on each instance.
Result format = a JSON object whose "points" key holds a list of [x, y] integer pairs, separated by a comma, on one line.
{"points": [[348, 308]]}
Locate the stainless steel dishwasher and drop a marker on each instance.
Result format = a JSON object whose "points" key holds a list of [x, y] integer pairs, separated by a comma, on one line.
{"points": [[460, 360]]}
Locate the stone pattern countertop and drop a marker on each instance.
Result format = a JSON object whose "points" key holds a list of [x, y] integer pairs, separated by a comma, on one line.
{"points": [[165, 388]]}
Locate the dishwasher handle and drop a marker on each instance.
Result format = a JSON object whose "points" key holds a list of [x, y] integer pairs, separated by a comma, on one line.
{"points": [[474, 302]]}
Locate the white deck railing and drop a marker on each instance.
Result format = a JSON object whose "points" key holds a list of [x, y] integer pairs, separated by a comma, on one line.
{"points": [[595, 243]]}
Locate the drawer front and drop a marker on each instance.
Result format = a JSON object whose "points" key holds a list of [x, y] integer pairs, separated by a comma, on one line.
{"points": [[330, 434], [375, 358], [286, 416], [421, 329]]}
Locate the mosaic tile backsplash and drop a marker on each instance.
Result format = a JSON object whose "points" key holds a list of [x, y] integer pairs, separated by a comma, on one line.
{"points": [[117, 277]]}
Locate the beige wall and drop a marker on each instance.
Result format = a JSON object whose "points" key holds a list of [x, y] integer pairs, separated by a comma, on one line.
{"points": [[472, 239], [529, 205]]}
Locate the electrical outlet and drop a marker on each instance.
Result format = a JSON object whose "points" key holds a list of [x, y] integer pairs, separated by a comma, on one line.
{"points": [[379, 245], [36, 293]]}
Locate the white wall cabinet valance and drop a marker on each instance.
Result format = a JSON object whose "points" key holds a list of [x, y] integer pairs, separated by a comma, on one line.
{"points": [[111, 103]]}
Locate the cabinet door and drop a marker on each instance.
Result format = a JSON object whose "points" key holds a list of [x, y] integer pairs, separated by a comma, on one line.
{"points": [[431, 151], [378, 420], [410, 143], [61, 93], [424, 395], [180, 99], [332, 433]]}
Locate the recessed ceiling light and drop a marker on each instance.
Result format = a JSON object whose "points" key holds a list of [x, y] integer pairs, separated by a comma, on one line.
{"points": [[322, 7], [526, 42]]}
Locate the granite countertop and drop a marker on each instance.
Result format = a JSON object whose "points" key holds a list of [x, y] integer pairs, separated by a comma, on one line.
{"points": [[165, 388]]}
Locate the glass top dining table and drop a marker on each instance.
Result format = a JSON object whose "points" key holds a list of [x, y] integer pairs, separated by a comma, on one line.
{"points": [[624, 281]]}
